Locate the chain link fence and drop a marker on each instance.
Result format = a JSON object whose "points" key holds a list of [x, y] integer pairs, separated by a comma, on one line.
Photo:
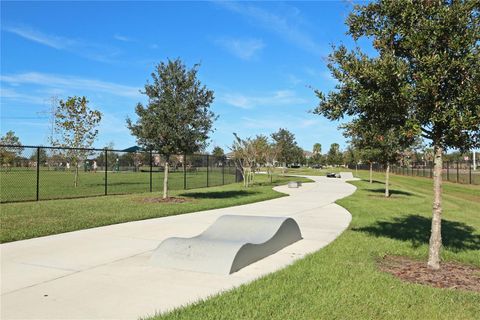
{"points": [[453, 171], [31, 173]]}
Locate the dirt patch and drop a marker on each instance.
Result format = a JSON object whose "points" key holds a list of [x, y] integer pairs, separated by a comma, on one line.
{"points": [[451, 275], [161, 200]]}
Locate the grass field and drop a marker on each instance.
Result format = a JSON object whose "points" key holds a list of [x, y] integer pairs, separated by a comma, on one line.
{"points": [[342, 280], [21, 184], [24, 220]]}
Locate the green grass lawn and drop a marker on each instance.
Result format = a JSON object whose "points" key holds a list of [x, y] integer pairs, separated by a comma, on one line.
{"points": [[24, 220], [20, 184], [342, 281]]}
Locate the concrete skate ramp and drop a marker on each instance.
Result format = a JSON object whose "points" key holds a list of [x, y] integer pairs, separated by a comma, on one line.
{"points": [[229, 244], [346, 175]]}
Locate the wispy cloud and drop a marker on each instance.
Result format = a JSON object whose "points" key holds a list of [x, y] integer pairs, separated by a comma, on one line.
{"points": [[13, 95], [293, 79], [85, 49], [69, 83], [271, 123], [276, 98], [120, 37], [244, 49], [284, 26]]}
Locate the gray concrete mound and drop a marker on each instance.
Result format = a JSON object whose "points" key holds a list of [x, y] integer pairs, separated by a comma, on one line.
{"points": [[346, 175], [229, 244]]}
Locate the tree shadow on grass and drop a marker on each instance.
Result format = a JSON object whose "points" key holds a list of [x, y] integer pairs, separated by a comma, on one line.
{"points": [[456, 236], [218, 194], [373, 181], [392, 192]]}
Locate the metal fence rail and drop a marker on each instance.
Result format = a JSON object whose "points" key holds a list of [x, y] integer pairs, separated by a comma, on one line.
{"points": [[453, 171], [33, 173]]}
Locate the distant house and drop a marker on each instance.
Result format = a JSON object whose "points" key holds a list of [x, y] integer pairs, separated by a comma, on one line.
{"points": [[307, 154]]}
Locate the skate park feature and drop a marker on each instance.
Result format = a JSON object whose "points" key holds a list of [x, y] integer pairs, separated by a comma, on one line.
{"points": [[346, 175], [294, 184], [229, 244]]}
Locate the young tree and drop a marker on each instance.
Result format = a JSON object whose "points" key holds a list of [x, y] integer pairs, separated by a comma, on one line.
{"points": [[177, 118], [249, 154], [388, 142], [434, 49], [244, 157], [76, 127], [9, 154]]}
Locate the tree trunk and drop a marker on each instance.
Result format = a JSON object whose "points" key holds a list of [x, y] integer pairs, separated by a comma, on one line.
{"points": [[75, 179], [436, 235], [371, 172], [165, 181], [387, 180]]}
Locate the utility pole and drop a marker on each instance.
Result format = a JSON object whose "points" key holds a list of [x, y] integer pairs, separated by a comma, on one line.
{"points": [[51, 118]]}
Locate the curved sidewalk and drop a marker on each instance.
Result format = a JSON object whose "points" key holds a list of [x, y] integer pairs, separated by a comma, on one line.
{"points": [[105, 273]]}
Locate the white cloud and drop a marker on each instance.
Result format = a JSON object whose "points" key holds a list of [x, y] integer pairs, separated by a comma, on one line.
{"points": [[276, 98], [82, 48], [244, 49], [284, 26], [62, 82]]}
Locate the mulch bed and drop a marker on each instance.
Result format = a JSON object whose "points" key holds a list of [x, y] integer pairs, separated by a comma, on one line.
{"points": [[451, 275], [161, 200]]}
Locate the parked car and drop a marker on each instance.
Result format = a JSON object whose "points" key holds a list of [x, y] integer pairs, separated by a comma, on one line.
{"points": [[316, 166]]}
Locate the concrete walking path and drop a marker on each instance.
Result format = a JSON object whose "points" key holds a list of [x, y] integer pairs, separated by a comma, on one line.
{"points": [[105, 273]]}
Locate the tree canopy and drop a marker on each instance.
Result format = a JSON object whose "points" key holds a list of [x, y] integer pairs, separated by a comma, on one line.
{"points": [[177, 118], [288, 150], [425, 79]]}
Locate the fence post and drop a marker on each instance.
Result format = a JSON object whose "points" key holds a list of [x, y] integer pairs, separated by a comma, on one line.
{"points": [[106, 172], [223, 171], [457, 172], [151, 169], [207, 169], [38, 172], [448, 171], [470, 172], [185, 171]]}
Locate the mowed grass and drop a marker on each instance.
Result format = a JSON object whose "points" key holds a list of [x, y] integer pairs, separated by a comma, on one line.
{"points": [[342, 281], [24, 220], [20, 184]]}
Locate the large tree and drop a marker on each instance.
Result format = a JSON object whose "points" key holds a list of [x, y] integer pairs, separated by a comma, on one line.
{"points": [[286, 146], [76, 127], [177, 118], [334, 155], [317, 148], [218, 152], [435, 46]]}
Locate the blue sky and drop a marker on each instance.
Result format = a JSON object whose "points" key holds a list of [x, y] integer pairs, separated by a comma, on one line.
{"points": [[260, 58]]}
